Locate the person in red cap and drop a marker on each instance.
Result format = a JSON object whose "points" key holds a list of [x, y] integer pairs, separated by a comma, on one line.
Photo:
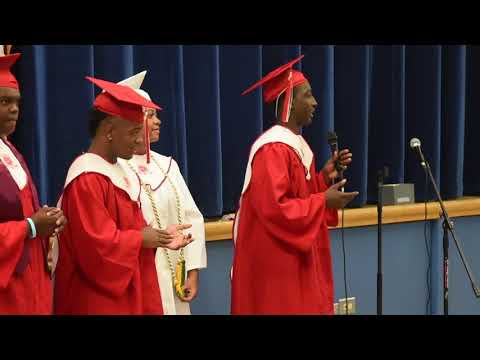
{"points": [[105, 259], [25, 227], [282, 262]]}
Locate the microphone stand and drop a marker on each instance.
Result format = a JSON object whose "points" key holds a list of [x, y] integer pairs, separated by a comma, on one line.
{"points": [[380, 178], [448, 227]]}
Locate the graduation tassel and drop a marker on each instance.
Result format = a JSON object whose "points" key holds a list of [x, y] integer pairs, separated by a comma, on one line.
{"points": [[147, 136], [288, 100]]}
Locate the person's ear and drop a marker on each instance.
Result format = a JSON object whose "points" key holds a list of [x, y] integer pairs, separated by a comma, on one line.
{"points": [[108, 130]]}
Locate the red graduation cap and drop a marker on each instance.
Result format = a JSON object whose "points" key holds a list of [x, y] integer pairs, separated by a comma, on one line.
{"points": [[120, 100], [284, 78], [6, 77]]}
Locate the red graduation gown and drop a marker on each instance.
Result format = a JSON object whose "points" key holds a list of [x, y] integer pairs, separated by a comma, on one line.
{"points": [[28, 292], [282, 262], [102, 267]]}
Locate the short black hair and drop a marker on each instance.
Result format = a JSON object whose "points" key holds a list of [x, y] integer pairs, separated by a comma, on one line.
{"points": [[95, 118]]}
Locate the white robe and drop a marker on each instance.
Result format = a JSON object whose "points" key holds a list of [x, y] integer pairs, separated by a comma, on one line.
{"points": [[164, 195]]}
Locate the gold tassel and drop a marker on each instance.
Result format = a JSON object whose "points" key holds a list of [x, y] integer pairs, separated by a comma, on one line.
{"points": [[180, 277], [51, 244]]}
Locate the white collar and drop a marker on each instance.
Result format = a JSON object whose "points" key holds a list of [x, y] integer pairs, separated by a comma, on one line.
{"points": [[13, 165], [281, 134], [122, 179]]}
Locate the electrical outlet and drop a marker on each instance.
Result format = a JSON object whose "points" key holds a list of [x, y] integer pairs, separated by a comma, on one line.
{"points": [[346, 306]]}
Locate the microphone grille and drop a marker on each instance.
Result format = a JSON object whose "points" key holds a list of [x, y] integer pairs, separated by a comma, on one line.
{"points": [[331, 137], [414, 142]]}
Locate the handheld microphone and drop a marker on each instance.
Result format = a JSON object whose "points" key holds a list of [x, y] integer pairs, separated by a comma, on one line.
{"points": [[333, 143]]}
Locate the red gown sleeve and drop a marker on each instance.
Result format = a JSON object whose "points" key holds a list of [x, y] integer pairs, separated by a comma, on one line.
{"points": [[106, 255], [12, 239], [294, 221]]}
